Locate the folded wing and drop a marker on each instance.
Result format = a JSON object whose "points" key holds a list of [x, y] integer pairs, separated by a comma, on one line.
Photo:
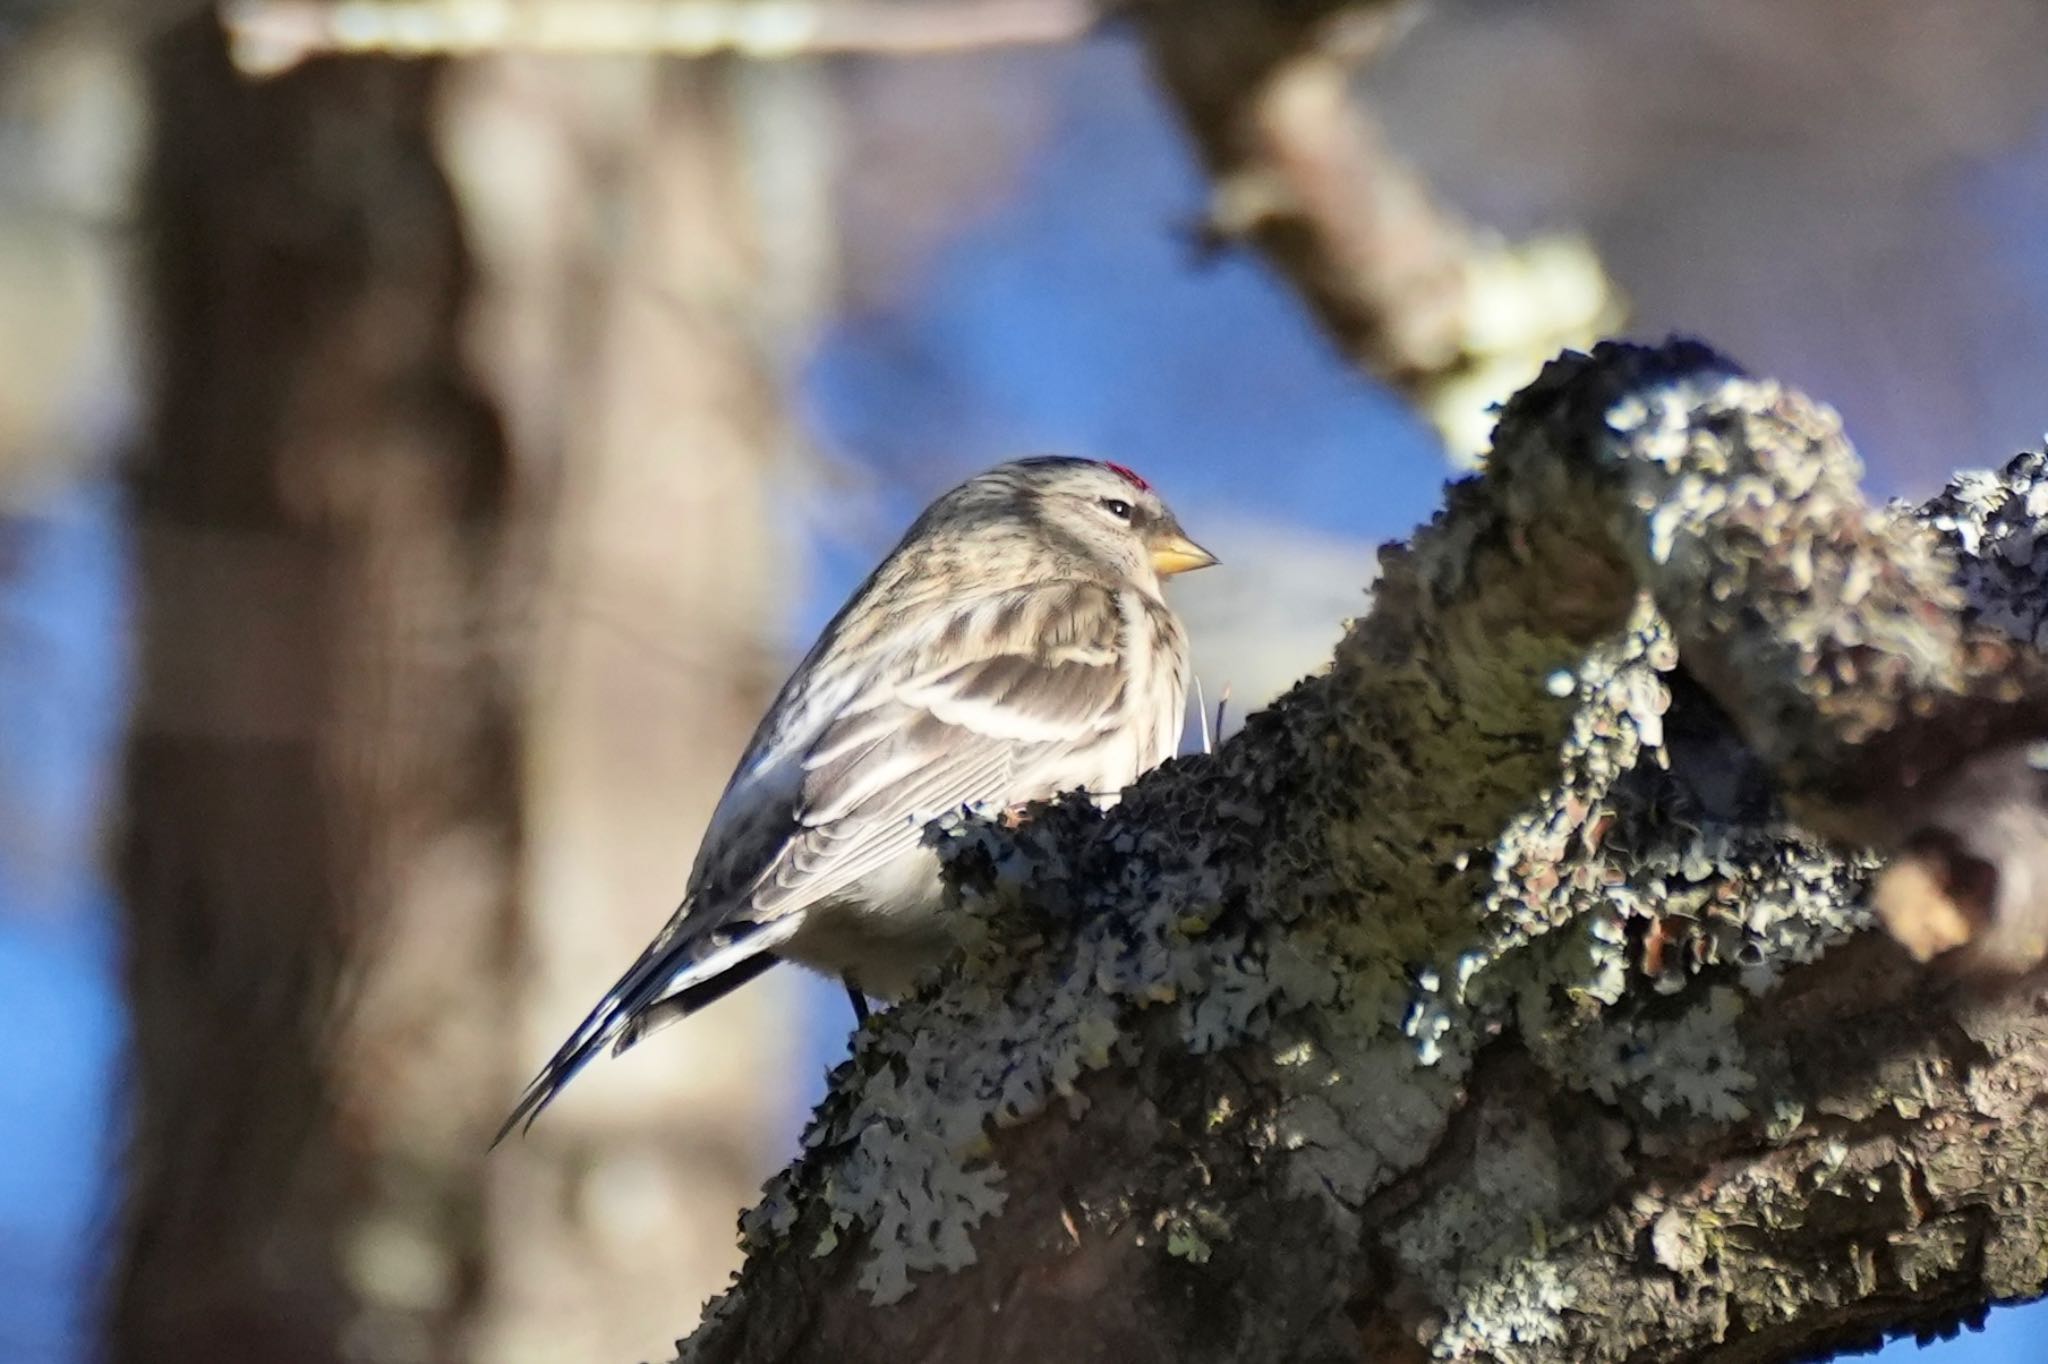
{"points": [[1005, 699]]}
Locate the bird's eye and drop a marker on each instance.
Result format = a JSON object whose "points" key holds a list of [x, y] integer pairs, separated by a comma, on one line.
{"points": [[1117, 507]]}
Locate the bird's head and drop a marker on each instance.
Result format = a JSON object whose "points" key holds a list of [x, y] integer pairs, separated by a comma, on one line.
{"points": [[1102, 515]]}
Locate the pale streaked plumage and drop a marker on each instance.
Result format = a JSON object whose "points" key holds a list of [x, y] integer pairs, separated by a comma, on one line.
{"points": [[1013, 646]]}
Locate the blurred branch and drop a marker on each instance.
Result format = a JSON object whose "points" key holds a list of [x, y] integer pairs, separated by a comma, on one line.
{"points": [[1478, 1002], [69, 125], [1402, 284], [271, 36]]}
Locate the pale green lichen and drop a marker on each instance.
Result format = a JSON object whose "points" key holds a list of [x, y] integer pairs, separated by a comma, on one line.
{"points": [[918, 1196], [1511, 1190], [1192, 1231], [1183, 1242], [1355, 1116], [1517, 1304], [1618, 841], [1694, 1062], [1786, 1116], [1760, 542], [1546, 870]]}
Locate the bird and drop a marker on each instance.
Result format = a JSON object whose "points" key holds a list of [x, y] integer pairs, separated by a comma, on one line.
{"points": [[1014, 646]]}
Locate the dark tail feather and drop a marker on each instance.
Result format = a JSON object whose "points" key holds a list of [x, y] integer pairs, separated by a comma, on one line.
{"points": [[658, 990], [677, 1007]]}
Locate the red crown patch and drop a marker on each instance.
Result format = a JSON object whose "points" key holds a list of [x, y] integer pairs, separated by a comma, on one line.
{"points": [[1129, 476]]}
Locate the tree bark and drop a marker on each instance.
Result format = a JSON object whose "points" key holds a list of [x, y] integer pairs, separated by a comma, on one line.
{"points": [[322, 782], [1483, 999]]}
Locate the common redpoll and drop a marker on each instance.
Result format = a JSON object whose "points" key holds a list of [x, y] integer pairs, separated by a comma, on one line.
{"points": [[1014, 646]]}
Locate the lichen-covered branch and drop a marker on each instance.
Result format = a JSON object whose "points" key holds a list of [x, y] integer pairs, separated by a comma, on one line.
{"points": [[1482, 999], [272, 36], [1302, 172]]}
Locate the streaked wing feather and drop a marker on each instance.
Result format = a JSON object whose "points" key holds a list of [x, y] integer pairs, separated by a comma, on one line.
{"points": [[953, 732], [827, 859]]}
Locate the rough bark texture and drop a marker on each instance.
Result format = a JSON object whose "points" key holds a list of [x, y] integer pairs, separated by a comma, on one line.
{"points": [[1480, 1000], [322, 783]]}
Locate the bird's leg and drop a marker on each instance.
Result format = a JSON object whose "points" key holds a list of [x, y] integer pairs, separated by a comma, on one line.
{"points": [[859, 1001]]}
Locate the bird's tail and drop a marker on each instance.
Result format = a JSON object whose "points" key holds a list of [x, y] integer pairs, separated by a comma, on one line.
{"points": [[673, 978]]}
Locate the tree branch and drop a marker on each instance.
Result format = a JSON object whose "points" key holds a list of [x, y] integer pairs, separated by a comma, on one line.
{"points": [[1477, 1001], [1400, 282], [272, 36]]}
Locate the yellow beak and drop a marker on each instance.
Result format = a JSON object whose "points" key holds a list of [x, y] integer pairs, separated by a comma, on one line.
{"points": [[1175, 553]]}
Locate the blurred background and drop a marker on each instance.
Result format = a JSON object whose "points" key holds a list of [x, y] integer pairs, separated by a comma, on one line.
{"points": [[416, 472]]}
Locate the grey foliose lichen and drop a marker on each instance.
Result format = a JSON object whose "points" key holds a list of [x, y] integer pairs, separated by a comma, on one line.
{"points": [[1073, 923], [1997, 525], [1627, 880]]}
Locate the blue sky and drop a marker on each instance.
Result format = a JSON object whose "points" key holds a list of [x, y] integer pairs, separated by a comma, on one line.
{"points": [[62, 623]]}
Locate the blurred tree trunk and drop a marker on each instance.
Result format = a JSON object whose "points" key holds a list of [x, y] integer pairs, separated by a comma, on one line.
{"points": [[334, 989], [322, 784], [641, 258]]}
